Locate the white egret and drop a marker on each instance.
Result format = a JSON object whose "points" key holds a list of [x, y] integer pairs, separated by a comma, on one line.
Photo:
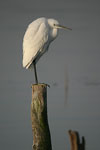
{"points": [[38, 36]]}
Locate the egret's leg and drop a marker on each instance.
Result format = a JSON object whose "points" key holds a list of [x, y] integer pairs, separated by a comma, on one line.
{"points": [[35, 72]]}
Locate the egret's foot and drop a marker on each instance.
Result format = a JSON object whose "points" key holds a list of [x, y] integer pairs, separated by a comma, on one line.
{"points": [[40, 83], [46, 84]]}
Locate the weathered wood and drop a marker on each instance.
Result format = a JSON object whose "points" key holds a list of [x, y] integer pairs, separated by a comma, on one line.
{"points": [[40, 127], [75, 141]]}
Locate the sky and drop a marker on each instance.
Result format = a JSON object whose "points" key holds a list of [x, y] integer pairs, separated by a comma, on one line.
{"points": [[71, 67]]}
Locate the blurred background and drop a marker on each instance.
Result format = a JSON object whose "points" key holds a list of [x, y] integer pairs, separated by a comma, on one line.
{"points": [[71, 67]]}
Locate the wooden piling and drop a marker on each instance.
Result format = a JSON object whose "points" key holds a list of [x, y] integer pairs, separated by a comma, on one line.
{"points": [[40, 127], [75, 141]]}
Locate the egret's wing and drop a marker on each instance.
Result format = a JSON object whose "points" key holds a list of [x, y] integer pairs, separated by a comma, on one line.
{"points": [[35, 39]]}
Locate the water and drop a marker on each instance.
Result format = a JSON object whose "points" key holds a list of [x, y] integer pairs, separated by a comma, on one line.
{"points": [[71, 67]]}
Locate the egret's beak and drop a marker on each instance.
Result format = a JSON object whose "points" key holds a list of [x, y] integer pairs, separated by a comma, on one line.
{"points": [[62, 27]]}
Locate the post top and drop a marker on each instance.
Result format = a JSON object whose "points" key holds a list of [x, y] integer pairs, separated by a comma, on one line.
{"points": [[40, 85]]}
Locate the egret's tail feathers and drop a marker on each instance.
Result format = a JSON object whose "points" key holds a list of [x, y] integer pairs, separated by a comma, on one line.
{"points": [[29, 65]]}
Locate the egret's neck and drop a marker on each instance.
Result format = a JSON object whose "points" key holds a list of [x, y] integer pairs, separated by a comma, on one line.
{"points": [[54, 33]]}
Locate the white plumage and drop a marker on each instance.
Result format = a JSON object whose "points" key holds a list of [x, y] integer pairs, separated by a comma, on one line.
{"points": [[38, 36], [36, 40]]}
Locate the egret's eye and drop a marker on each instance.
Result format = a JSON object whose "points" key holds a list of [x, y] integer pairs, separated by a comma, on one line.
{"points": [[54, 24]]}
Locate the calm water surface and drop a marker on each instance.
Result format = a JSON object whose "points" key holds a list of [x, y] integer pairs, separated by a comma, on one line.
{"points": [[71, 67]]}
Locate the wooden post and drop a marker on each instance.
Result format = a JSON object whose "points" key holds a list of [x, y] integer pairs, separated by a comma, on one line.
{"points": [[40, 127], [75, 141]]}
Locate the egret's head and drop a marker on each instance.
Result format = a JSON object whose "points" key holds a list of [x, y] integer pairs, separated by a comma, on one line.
{"points": [[52, 23], [55, 24]]}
